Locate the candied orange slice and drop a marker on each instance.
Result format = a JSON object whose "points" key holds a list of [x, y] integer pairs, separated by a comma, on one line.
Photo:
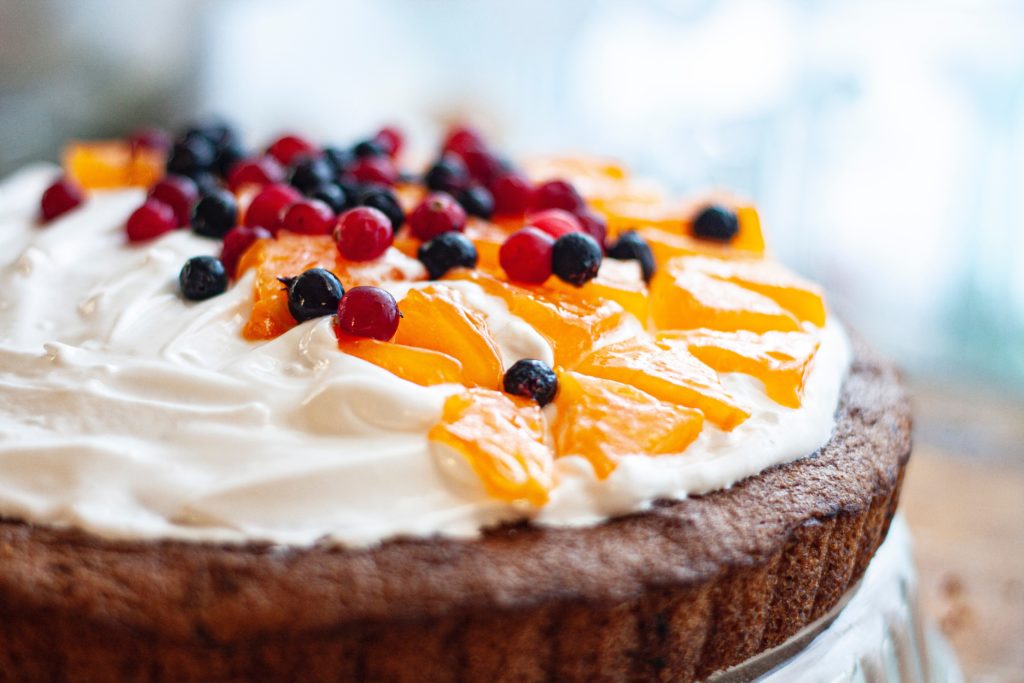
{"points": [[438, 318], [425, 367], [666, 370], [571, 325], [619, 281], [781, 360], [502, 438], [112, 164], [603, 421]]}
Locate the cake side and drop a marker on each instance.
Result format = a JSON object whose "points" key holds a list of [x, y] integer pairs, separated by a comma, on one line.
{"points": [[678, 592]]}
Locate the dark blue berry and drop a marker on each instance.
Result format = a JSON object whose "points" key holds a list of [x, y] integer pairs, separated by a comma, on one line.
{"points": [[202, 277], [385, 201], [477, 201], [340, 159], [313, 294], [632, 247], [449, 175], [716, 222], [218, 132], [228, 154], [206, 182], [368, 148], [332, 195], [446, 251], [532, 379], [309, 172], [576, 258], [190, 155], [215, 214]]}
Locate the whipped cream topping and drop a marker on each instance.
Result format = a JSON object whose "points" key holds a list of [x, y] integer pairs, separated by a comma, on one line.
{"points": [[131, 413]]}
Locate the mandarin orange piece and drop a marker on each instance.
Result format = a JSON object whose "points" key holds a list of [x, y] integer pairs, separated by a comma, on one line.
{"points": [[487, 237], [781, 360], [619, 281], [603, 421], [438, 318], [668, 371], [111, 164], [684, 297], [419, 366], [502, 438]]}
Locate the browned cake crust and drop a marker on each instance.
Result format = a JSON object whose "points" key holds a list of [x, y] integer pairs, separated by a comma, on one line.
{"points": [[673, 594]]}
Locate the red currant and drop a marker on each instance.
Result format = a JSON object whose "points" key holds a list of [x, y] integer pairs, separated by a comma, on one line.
{"points": [[258, 171], [363, 234], [287, 148], [526, 256], [178, 192], [390, 140], [266, 208], [379, 170], [150, 220], [557, 194], [555, 222], [149, 138], [368, 312], [60, 198], [513, 194], [462, 139], [481, 164], [236, 242], [308, 217], [595, 225], [438, 213]]}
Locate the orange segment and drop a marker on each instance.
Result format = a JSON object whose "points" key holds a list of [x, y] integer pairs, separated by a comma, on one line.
{"points": [[502, 438], [569, 324], [419, 366], [603, 421], [112, 164], [781, 360], [619, 281], [438, 318], [668, 371]]}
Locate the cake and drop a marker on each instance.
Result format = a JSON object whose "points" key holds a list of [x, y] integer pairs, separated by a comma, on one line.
{"points": [[305, 416]]}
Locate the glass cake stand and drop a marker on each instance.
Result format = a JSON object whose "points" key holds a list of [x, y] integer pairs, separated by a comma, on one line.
{"points": [[876, 634]]}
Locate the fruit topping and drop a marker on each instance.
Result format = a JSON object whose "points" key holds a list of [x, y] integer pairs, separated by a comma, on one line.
{"points": [[191, 154], [307, 173], [513, 195], [215, 214], [267, 208], [502, 438], [260, 171], [59, 198], [631, 246], [604, 421], [313, 294], [378, 170], [436, 214], [308, 217], [595, 225], [462, 139], [363, 234], [576, 258], [236, 242], [531, 379], [384, 200], [478, 201], [332, 195], [390, 140], [446, 251], [155, 139], [112, 164], [526, 256], [368, 312], [202, 277], [178, 192], [716, 222], [425, 367], [557, 194], [438, 318], [555, 222], [368, 148], [152, 219], [448, 174], [288, 148]]}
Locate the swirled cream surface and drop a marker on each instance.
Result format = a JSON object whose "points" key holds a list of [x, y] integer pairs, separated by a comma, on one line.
{"points": [[131, 413]]}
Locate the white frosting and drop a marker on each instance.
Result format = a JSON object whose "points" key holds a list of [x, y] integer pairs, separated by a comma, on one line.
{"points": [[131, 413]]}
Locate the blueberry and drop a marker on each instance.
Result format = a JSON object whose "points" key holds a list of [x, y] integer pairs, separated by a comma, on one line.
{"points": [[202, 277], [576, 258], [215, 214], [532, 379], [309, 172], [368, 148], [227, 156], [632, 247], [384, 200], [446, 251], [449, 175], [190, 155], [339, 159], [716, 222], [313, 294], [477, 201], [332, 195], [218, 132], [206, 182]]}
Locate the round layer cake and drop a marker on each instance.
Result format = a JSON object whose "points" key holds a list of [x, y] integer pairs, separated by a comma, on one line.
{"points": [[214, 491]]}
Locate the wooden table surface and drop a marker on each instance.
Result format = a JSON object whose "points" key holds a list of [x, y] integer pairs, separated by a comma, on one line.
{"points": [[964, 500]]}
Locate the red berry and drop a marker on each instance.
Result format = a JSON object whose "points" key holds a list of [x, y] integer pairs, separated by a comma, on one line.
{"points": [[390, 140], [462, 139], [557, 194], [60, 198], [266, 208], [481, 164], [178, 192], [375, 169], [308, 217], [513, 194], [150, 220], [438, 213], [258, 171], [555, 222], [595, 225], [287, 148], [236, 242], [363, 234], [526, 256], [368, 312], [149, 138]]}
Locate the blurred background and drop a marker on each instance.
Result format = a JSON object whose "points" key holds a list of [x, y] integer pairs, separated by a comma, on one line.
{"points": [[883, 141]]}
